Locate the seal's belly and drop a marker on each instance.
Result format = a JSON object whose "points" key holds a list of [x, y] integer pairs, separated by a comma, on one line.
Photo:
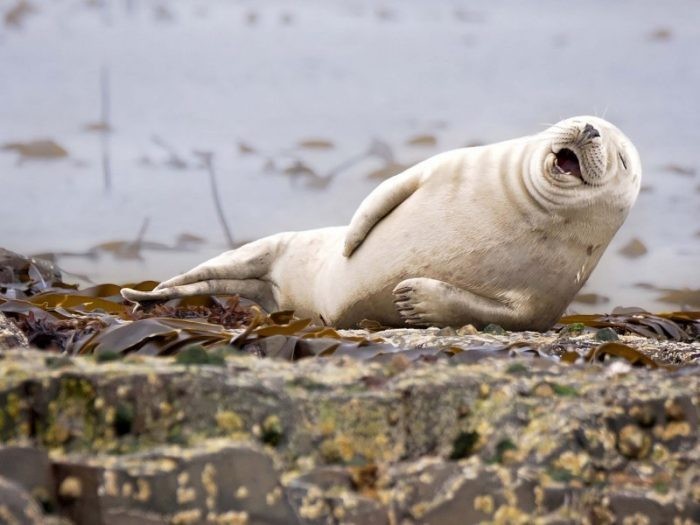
{"points": [[434, 238], [456, 237]]}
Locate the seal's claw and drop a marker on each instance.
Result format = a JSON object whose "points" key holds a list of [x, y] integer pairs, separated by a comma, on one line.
{"points": [[416, 320], [139, 296], [417, 301], [403, 303], [131, 295]]}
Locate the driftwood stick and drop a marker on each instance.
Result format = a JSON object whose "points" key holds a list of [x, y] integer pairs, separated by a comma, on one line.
{"points": [[207, 159], [106, 128]]}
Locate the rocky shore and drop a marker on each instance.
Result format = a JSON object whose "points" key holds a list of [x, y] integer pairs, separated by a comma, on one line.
{"points": [[216, 412], [406, 437]]}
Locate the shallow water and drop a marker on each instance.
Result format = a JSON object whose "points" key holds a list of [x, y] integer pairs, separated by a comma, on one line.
{"points": [[186, 76]]}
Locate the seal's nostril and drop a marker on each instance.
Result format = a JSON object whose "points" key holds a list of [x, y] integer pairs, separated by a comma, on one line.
{"points": [[590, 132]]}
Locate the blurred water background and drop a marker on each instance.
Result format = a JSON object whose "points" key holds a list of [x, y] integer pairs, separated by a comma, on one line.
{"points": [[110, 111]]}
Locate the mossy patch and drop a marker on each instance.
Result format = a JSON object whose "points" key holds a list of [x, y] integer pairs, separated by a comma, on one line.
{"points": [[58, 362], [564, 390], [123, 419], [107, 356], [516, 368], [272, 431], [14, 418], [229, 421], [573, 329], [606, 334], [72, 417], [661, 487], [560, 474], [176, 435], [495, 329], [359, 428], [198, 355], [463, 445], [13, 406], [502, 447], [308, 384]]}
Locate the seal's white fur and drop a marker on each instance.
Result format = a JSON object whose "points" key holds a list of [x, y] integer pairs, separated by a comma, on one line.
{"points": [[497, 233]]}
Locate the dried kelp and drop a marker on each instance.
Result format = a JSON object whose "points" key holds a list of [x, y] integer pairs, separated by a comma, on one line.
{"points": [[676, 326], [37, 149], [97, 321]]}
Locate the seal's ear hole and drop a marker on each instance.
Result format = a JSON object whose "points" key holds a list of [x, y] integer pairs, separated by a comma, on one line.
{"points": [[622, 159]]}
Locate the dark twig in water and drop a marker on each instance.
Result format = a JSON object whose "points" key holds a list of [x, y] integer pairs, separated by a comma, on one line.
{"points": [[299, 168], [175, 160], [348, 163], [208, 162], [132, 250], [138, 243], [377, 148], [104, 135]]}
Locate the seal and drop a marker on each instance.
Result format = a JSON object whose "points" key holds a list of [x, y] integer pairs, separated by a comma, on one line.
{"points": [[505, 233]]}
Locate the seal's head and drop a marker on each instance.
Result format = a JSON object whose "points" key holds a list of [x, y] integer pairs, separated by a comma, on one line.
{"points": [[584, 161]]}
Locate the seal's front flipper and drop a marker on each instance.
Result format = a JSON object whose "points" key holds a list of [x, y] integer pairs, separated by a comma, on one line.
{"points": [[429, 302], [378, 204]]}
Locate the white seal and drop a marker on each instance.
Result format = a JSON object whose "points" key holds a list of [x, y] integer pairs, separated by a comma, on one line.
{"points": [[505, 233]]}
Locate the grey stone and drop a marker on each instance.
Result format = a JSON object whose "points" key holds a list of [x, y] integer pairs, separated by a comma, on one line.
{"points": [[447, 494], [327, 477], [30, 468], [15, 268], [330, 502], [629, 505], [212, 481], [10, 335], [17, 506]]}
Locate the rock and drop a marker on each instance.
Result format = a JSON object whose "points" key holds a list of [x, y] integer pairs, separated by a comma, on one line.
{"points": [[633, 249], [606, 334], [494, 329], [215, 481], [634, 442], [30, 468], [316, 505], [16, 506], [10, 335], [336, 440], [16, 268]]}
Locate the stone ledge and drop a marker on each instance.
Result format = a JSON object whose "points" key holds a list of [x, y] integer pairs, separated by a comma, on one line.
{"points": [[345, 441]]}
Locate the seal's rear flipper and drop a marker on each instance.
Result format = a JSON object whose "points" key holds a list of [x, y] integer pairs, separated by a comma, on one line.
{"points": [[254, 289], [241, 271], [251, 261]]}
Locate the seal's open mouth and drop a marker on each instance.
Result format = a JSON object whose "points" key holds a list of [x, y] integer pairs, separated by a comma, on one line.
{"points": [[567, 162]]}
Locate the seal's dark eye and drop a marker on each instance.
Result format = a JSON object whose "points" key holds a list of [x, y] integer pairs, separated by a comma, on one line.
{"points": [[622, 159]]}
